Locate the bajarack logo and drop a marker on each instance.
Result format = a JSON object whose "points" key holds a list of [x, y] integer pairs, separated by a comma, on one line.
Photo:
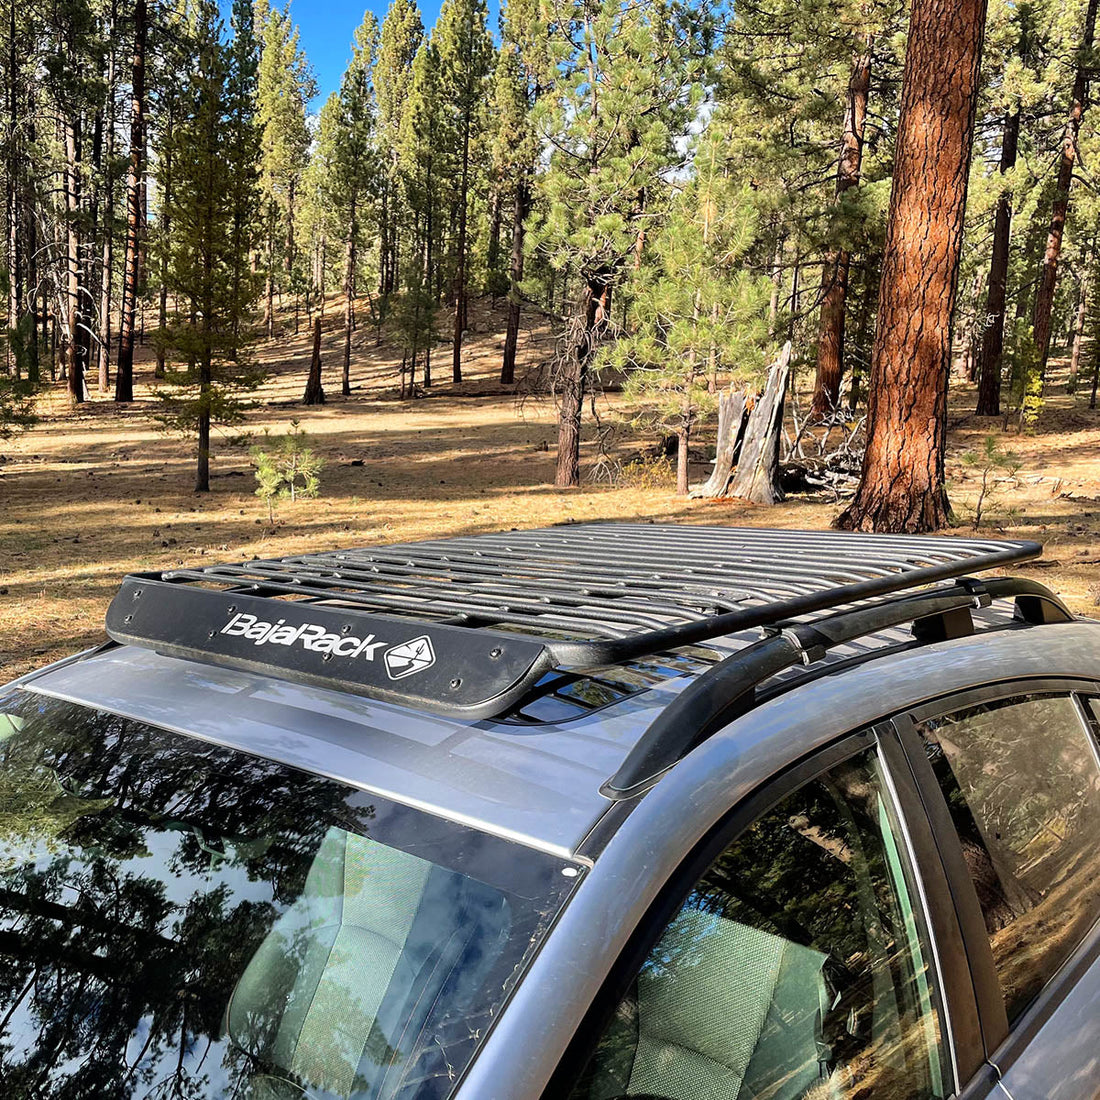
{"points": [[309, 636], [409, 657]]}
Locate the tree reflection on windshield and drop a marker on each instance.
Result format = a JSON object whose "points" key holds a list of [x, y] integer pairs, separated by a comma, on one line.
{"points": [[140, 873]]}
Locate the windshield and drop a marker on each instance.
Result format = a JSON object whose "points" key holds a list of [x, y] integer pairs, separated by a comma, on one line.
{"points": [[179, 919]]}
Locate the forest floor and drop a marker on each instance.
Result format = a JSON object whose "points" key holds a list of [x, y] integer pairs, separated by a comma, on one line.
{"points": [[88, 496]]}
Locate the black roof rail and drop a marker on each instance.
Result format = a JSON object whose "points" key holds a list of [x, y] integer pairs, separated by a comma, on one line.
{"points": [[728, 689], [467, 626]]}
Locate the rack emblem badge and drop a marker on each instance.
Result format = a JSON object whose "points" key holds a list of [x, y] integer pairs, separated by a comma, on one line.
{"points": [[409, 657]]}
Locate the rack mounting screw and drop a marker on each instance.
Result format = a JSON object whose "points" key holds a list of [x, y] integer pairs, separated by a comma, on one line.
{"points": [[456, 682], [495, 653]]}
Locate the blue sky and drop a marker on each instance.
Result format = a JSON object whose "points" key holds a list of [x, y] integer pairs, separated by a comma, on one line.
{"points": [[327, 26]]}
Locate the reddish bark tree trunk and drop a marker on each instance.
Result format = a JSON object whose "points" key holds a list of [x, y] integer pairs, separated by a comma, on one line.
{"points": [[511, 336], [993, 335], [124, 371], [830, 343], [1048, 277], [902, 485]]}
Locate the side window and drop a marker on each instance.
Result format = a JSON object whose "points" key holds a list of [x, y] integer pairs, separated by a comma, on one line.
{"points": [[793, 971], [1021, 781]]}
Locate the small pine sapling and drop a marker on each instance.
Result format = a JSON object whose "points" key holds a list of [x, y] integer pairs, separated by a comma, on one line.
{"points": [[288, 471], [990, 460]]}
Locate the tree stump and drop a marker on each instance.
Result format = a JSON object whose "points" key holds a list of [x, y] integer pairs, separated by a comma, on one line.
{"points": [[315, 394], [757, 476], [732, 418]]}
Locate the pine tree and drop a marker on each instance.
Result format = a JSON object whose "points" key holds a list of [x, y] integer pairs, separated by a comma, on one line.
{"points": [[124, 372], [465, 59], [628, 80], [207, 270], [696, 309], [284, 88], [243, 158], [400, 38], [423, 172], [348, 163], [522, 72]]}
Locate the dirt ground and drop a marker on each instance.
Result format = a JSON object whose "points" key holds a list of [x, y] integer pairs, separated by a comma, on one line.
{"points": [[86, 497]]}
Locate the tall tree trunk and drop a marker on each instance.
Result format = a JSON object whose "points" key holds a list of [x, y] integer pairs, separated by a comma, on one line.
{"points": [[511, 336], [1078, 334], [492, 257], [202, 470], [993, 335], [269, 281], [830, 341], [349, 308], [106, 272], [12, 206], [460, 274], [1048, 277], [78, 345], [902, 485], [124, 370], [573, 380]]}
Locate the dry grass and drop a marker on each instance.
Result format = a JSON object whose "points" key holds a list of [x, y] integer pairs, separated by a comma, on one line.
{"points": [[87, 497]]}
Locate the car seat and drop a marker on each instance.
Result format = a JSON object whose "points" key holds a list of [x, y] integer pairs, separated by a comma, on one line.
{"points": [[335, 999], [720, 1011]]}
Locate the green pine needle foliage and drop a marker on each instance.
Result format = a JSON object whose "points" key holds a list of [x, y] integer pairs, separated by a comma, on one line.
{"points": [[696, 308], [287, 471]]}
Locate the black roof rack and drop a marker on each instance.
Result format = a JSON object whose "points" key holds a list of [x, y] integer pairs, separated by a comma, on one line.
{"points": [[467, 626]]}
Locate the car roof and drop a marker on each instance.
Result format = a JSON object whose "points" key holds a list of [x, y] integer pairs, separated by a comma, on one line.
{"points": [[538, 783]]}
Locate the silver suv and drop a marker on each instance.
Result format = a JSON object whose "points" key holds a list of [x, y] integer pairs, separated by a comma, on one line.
{"points": [[595, 812]]}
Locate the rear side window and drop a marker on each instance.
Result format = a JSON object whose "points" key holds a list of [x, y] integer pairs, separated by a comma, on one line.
{"points": [[1021, 780], [794, 970]]}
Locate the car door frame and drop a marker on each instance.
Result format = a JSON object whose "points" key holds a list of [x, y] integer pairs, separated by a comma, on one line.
{"points": [[935, 914], [1003, 1043]]}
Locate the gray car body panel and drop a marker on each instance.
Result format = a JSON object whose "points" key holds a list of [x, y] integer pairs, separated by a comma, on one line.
{"points": [[527, 1043]]}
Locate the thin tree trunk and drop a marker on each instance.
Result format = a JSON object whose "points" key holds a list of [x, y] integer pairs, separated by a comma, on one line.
{"points": [[77, 359], [511, 336], [573, 381], [269, 282], [349, 308], [106, 272], [993, 335], [902, 485], [1048, 278], [14, 172], [1078, 334], [124, 370], [830, 342], [460, 275]]}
